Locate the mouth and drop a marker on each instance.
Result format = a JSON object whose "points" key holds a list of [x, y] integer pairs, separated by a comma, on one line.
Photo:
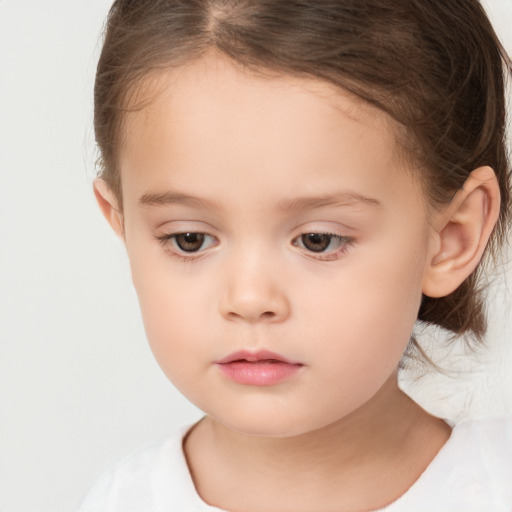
{"points": [[256, 357], [262, 368]]}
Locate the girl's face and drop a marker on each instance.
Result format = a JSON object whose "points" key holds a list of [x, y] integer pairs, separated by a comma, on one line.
{"points": [[271, 215]]}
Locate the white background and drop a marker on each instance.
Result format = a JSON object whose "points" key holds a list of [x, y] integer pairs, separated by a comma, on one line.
{"points": [[78, 385]]}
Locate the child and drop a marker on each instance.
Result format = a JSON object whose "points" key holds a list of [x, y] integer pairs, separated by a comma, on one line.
{"points": [[297, 183]]}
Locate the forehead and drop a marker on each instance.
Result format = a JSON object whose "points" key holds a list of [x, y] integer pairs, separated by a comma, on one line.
{"points": [[216, 121], [214, 82]]}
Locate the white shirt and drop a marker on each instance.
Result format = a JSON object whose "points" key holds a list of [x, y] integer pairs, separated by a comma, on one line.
{"points": [[471, 473]]}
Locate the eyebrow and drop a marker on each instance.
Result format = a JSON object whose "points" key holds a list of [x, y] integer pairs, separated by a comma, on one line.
{"points": [[335, 199], [169, 198], [295, 204]]}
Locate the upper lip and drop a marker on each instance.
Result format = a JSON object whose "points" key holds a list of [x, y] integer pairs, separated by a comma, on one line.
{"points": [[250, 356]]}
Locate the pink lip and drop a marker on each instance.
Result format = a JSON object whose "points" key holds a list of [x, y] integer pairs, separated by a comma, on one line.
{"points": [[262, 368]]}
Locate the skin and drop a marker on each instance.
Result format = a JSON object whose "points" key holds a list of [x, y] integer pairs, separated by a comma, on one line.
{"points": [[339, 434]]}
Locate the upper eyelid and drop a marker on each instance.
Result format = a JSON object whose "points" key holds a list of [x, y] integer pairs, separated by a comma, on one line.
{"points": [[169, 236], [322, 232], [202, 226], [344, 239], [191, 226]]}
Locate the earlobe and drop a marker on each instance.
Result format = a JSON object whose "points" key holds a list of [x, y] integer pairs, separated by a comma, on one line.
{"points": [[462, 232], [109, 206]]}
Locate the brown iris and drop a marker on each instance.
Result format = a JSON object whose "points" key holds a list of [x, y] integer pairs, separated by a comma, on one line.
{"points": [[189, 242], [316, 242]]}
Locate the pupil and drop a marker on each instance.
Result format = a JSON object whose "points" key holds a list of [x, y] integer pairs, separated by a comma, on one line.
{"points": [[316, 242], [190, 242]]}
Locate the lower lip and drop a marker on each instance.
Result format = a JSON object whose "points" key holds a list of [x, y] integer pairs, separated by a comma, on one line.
{"points": [[259, 373]]}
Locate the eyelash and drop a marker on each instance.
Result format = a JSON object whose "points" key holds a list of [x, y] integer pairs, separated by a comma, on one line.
{"points": [[344, 244], [168, 242]]}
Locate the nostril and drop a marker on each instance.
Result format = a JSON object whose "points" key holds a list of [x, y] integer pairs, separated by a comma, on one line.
{"points": [[263, 306], [266, 315]]}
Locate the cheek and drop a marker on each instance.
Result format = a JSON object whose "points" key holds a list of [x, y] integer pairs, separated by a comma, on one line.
{"points": [[169, 304], [370, 307]]}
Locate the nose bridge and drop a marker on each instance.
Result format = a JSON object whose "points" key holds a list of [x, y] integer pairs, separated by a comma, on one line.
{"points": [[254, 288]]}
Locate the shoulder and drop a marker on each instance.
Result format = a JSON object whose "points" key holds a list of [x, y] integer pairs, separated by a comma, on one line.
{"points": [[472, 472], [490, 439], [154, 479], [484, 448]]}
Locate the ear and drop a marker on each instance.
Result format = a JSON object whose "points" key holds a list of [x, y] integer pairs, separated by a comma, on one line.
{"points": [[109, 206], [461, 233]]}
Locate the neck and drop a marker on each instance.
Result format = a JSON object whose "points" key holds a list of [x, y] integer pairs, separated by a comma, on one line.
{"points": [[369, 429], [361, 461]]}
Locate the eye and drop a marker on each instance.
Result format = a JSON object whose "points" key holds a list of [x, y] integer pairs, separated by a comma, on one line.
{"points": [[316, 242], [189, 242], [322, 243]]}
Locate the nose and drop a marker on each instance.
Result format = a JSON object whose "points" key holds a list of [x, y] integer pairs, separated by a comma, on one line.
{"points": [[254, 292]]}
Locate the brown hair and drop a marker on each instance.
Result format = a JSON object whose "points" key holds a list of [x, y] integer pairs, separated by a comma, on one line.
{"points": [[435, 66]]}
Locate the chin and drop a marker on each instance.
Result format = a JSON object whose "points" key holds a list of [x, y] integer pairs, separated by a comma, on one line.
{"points": [[266, 430], [265, 425]]}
